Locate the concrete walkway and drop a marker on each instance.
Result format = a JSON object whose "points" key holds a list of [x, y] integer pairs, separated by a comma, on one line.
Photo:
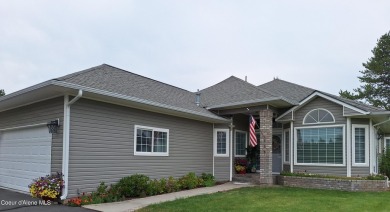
{"points": [[134, 204]]}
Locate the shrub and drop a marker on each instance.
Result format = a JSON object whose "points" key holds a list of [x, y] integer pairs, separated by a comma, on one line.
{"points": [[375, 177], [208, 180], [133, 186], [189, 181], [49, 186], [172, 185], [384, 163]]}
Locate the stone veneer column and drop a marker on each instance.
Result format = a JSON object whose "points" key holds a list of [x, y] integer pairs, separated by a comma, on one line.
{"points": [[266, 146]]}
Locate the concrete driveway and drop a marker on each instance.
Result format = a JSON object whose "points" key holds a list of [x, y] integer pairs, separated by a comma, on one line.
{"points": [[17, 202]]}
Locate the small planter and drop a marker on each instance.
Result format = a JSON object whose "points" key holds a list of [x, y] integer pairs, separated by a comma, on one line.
{"points": [[242, 172]]}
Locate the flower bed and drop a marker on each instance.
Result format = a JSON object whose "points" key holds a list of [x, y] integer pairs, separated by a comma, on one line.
{"points": [[138, 185], [371, 183]]}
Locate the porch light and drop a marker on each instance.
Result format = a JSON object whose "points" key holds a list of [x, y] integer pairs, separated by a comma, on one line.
{"points": [[53, 126]]}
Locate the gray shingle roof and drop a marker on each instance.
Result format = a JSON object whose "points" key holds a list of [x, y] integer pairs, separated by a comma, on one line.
{"points": [[232, 90], [112, 79], [287, 89], [298, 93]]}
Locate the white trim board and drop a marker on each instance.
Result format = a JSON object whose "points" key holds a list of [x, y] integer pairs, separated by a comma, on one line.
{"points": [[315, 94]]}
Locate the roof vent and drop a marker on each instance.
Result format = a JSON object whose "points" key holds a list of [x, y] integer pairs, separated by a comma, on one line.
{"points": [[197, 98]]}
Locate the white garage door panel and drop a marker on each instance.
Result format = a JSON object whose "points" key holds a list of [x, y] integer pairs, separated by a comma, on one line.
{"points": [[24, 155]]}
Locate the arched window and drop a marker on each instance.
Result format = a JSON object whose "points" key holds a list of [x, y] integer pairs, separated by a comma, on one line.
{"points": [[317, 116]]}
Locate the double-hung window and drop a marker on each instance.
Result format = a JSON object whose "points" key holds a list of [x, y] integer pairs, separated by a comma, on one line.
{"points": [[221, 142], [151, 141], [359, 145], [241, 143]]}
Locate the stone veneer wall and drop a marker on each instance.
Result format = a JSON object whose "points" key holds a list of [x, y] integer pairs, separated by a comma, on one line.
{"points": [[333, 184]]}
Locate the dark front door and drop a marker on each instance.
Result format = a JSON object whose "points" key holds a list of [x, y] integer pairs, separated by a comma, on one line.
{"points": [[276, 153]]}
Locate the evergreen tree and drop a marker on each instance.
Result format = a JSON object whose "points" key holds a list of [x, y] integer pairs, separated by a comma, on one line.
{"points": [[376, 77], [2, 93]]}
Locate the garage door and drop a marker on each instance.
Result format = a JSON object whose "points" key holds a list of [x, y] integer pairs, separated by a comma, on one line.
{"points": [[25, 154]]}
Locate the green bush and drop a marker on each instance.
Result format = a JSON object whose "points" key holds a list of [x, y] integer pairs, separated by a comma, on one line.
{"points": [[172, 185], [156, 187], [133, 186], [208, 180], [384, 163], [375, 177], [139, 186], [189, 181]]}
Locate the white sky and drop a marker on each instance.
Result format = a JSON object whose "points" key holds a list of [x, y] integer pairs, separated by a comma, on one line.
{"points": [[192, 44]]}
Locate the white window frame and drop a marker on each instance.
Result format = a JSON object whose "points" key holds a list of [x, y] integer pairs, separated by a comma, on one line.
{"points": [[304, 118], [366, 145], [317, 164], [284, 146], [235, 143], [150, 153], [384, 142], [215, 142]]}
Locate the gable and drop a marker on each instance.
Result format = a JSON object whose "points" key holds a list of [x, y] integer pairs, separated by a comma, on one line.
{"points": [[319, 103]]}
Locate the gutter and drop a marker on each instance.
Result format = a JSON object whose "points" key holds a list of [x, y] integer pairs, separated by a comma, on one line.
{"points": [[65, 142], [252, 102], [137, 100]]}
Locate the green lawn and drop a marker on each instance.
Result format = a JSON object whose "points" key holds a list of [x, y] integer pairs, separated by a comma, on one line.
{"points": [[280, 199]]}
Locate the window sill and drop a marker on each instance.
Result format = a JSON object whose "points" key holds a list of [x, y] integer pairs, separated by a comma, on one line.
{"points": [[221, 156], [150, 154], [319, 164], [360, 165]]}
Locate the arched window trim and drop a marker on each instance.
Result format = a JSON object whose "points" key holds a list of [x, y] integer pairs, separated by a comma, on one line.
{"points": [[303, 122]]}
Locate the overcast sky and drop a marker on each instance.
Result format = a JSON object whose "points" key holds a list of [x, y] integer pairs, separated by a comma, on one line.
{"points": [[192, 44]]}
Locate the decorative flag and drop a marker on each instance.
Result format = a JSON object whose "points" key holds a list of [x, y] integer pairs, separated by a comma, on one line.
{"points": [[252, 134]]}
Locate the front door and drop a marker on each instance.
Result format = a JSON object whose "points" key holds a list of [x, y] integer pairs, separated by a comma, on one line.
{"points": [[276, 153]]}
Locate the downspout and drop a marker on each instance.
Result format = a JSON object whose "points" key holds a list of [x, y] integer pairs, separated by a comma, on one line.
{"points": [[231, 126], [213, 154], [65, 142]]}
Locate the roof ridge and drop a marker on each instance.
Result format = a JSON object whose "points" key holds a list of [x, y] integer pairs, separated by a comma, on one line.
{"points": [[295, 84], [147, 78], [119, 69], [68, 76], [266, 91], [217, 83]]}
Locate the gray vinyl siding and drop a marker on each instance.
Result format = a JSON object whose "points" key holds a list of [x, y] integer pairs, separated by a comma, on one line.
{"points": [[337, 111], [322, 170], [37, 113], [222, 170], [360, 171], [348, 111], [360, 121], [102, 145]]}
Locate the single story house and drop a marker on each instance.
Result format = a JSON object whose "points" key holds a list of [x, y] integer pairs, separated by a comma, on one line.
{"points": [[107, 123]]}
